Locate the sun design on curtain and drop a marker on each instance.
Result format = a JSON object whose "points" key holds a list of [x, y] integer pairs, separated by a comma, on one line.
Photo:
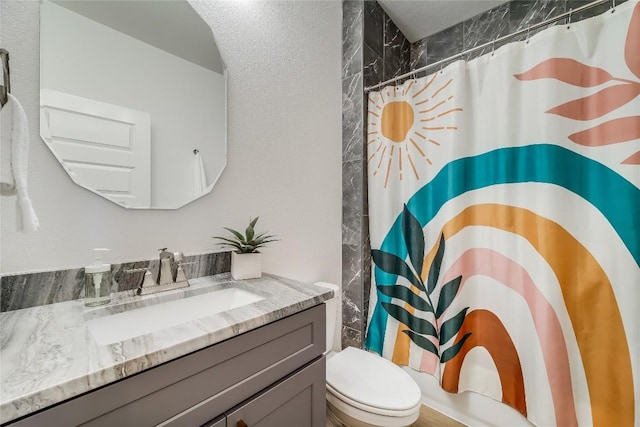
{"points": [[403, 120]]}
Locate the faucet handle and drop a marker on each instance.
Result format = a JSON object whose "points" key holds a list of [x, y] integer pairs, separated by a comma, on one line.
{"points": [[178, 257], [165, 254], [147, 280], [180, 274], [180, 270]]}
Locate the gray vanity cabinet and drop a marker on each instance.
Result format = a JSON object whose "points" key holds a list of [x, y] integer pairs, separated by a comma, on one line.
{"points": [[271, 376], [297, 401], [218, 422]]}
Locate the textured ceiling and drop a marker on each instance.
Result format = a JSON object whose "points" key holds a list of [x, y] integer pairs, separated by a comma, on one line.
{"points": [[420, 18]]}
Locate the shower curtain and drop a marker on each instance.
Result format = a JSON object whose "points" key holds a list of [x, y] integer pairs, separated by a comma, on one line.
{"points": [[504, 205]]}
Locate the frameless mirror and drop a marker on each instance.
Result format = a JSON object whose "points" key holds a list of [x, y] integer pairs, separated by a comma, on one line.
{"points": [[133, 99]]}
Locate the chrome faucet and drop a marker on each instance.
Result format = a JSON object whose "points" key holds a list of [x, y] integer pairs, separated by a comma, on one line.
{"points": [[165, 270], [170, 274]]}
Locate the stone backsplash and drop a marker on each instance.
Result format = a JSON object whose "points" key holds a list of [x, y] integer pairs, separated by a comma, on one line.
{"points": [[25, 290]]}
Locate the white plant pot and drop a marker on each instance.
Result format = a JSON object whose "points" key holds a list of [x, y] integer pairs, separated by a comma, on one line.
{"points": [[246, 266]]}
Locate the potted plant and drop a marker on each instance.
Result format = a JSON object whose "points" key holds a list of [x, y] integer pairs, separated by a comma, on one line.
{"points": [[246, 260]]}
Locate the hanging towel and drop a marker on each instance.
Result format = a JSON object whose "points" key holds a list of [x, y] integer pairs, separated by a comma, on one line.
{"points": [[199, 177], [2, 82], [14, 153]]}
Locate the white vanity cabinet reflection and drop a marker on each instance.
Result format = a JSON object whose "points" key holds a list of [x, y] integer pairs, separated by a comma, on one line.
{"points": [[271, 376]]}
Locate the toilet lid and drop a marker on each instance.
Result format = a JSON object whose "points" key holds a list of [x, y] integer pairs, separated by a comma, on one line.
{"points": [[371, 380]]}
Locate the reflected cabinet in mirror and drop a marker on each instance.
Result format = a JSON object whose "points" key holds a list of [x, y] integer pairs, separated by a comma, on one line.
{"points": [[133, 99]]}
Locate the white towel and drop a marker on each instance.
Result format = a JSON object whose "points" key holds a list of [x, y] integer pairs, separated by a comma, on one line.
{"points": [[199, 176], [14, 156]]}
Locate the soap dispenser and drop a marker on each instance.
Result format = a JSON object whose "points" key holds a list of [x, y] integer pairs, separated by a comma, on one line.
{"points": [[97, 281]]}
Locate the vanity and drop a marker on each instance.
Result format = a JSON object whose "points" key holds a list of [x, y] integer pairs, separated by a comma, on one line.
{"points": [[258, 364], [218, 353]]}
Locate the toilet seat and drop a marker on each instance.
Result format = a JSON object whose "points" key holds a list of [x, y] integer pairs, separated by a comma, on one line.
{"points": [[337, 398], [371, 389], [355, 417]]}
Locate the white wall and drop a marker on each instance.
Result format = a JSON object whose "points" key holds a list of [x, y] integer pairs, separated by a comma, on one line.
{"points": [[186, 101], [283, 61]]}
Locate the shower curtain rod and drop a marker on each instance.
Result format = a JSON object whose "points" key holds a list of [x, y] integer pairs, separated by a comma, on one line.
{"points": [[493, 42]]}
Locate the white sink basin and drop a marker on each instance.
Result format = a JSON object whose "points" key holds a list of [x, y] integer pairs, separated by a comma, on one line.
{"points": [[140, 321]]}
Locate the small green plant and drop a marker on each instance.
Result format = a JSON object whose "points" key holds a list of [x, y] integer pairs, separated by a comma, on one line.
{"points": [[248, 243]]}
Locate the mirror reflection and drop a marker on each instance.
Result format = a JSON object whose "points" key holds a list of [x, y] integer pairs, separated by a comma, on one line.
{"points": [[133, 99]]}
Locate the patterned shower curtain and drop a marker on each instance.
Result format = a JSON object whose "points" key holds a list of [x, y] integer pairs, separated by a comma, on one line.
{"points": [[504, 203]]}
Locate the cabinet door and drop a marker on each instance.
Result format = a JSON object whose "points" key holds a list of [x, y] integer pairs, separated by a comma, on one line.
{"points": [[298, 400]]}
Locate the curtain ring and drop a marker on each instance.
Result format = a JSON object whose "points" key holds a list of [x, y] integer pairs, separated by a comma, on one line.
{"points": [[569, 23], [528, 29]]}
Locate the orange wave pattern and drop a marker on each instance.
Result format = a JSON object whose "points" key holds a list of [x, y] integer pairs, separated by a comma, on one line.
{"points": [[584, 284], [489, 263], [488, 331]]}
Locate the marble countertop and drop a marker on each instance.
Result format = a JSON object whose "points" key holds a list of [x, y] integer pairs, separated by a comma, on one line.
{"points": [[48, 354]]}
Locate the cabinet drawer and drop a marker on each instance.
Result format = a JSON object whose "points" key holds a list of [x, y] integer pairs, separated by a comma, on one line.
{"points": [[298, 400], [204, 383], [218, 422]]}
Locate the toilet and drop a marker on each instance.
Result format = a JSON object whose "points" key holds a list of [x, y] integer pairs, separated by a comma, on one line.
{"points": [[364, 389]]}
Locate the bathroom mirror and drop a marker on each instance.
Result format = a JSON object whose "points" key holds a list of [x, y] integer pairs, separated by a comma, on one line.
{"points": [[133, 99]]}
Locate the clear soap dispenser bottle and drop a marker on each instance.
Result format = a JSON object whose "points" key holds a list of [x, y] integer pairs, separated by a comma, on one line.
{"points": [[97, 281]]}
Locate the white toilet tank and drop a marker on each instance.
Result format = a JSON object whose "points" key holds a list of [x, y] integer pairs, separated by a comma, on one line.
{"points": [[332, 312]]}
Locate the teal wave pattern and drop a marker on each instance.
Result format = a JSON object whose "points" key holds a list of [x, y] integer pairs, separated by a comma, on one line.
{"points": [[614, 196]]}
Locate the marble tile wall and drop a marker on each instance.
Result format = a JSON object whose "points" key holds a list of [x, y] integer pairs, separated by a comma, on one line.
{"points": [[374, 50], [19, 291], [497, 22], [353, 177]]}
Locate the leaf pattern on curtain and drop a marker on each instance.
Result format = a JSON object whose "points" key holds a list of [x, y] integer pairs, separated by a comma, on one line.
{"points": [[419, 329], [601, 103]]}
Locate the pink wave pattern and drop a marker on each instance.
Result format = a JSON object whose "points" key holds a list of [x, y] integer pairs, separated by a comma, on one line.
{"points": [[487, 262]]}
